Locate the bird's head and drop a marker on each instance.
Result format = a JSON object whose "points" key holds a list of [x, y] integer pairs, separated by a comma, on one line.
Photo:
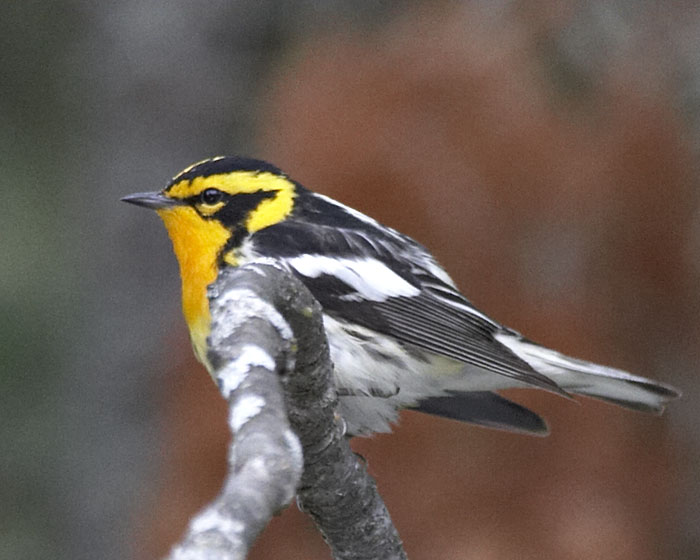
{"points": [[211, 206]]}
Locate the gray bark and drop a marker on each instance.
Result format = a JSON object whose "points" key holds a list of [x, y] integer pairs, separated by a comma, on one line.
{"points": [[269, 356]]}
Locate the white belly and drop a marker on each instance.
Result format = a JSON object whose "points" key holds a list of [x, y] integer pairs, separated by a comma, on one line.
{"points": [[376, 376]]}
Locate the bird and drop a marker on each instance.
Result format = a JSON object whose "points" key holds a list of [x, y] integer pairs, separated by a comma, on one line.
{"points": [[401, 334]]}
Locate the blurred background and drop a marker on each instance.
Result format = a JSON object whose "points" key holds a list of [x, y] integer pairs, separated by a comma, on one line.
{"points": [[546, 152]]}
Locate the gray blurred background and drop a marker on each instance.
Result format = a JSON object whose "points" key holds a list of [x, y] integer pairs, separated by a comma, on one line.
{"points": [[546, 151]]}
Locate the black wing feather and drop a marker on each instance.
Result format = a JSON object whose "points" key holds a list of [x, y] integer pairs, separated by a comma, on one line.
{"points": [[439, 319]]}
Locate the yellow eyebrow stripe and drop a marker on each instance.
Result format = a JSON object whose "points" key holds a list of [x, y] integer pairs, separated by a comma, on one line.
{"points": [[236, 182]]}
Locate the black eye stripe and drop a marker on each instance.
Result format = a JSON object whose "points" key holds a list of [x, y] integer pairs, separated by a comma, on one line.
{"points": [[238, 207]]}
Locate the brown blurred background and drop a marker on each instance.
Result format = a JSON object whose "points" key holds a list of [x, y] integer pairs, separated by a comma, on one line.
{"points": [[546, 152]]}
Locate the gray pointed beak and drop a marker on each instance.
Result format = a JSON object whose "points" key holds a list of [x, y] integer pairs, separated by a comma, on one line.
{"points": [[153, 200]]}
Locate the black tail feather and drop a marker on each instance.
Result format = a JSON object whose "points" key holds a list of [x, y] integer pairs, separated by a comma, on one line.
{"points": [[485, 409]]}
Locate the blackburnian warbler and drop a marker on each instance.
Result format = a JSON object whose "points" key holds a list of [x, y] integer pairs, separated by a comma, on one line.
{"points": [[401, 334]]}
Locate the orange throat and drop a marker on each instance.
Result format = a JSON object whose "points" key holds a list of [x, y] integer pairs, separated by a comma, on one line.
{"points": [[196, 243]]}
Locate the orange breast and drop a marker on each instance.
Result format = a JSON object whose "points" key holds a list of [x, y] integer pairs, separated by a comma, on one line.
{"points": [[196, 243]]}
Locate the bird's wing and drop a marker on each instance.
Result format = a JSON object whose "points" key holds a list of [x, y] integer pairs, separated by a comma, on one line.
{"points": [[421, 319], [363, 280]]}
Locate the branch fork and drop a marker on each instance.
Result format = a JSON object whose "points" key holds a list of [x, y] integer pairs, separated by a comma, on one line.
{"points": [[269, 356]]}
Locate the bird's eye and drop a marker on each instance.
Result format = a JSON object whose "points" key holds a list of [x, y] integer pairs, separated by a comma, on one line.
{"points": [[211, 196]]}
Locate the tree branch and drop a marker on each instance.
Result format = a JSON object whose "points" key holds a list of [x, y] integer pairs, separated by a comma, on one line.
{"points": [[269, 356]]}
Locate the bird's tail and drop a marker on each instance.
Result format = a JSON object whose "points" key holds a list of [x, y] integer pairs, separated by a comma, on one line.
{"points": [[593, 380]]}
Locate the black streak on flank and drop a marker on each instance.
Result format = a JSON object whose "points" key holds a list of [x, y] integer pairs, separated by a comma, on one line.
{"points": [[224, 165]]}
